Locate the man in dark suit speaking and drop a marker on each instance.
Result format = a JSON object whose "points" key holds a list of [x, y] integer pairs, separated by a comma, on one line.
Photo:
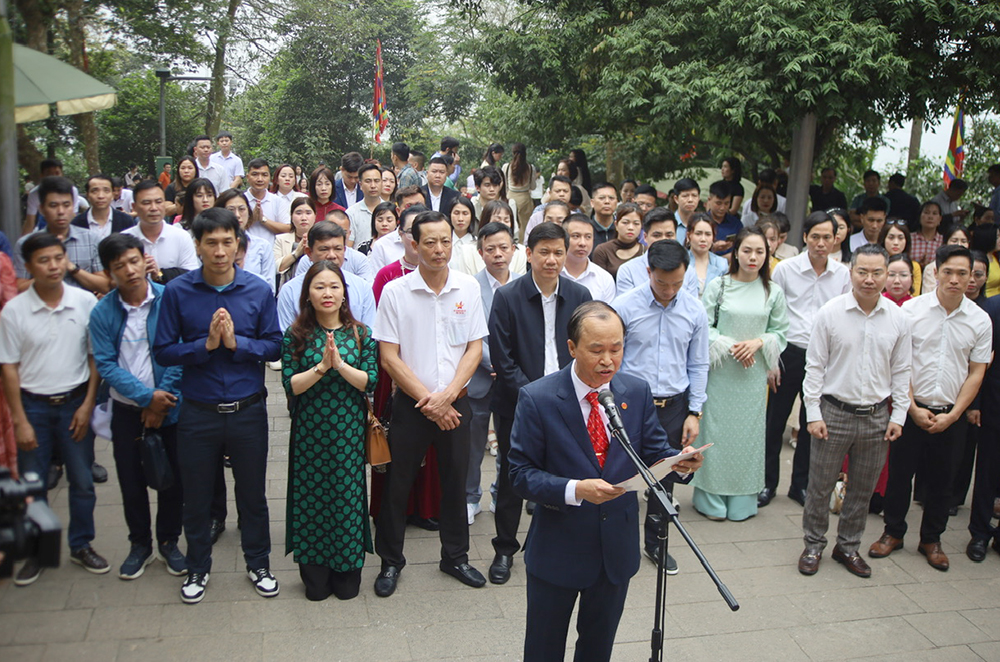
{"points": [[583, 538]]}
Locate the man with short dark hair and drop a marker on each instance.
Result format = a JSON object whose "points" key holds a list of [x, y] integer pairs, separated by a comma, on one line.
{"points": [[872, 213], [903, 205], [952, 345], [347, 191], [269, 215], [101, 219], [232, 164], [391, 248], [604, 201], [872, 181], [645, 197], [354, 261], [430, 327], [326, 241], [417, 160], [667, 331], [220, 323], [166, 175], [123, 198], [168, 250], [211, 170], [688, 198], [825, 195], [579, 268], [527, 341], [560, 189], [439, 197], [948, 201], [83, 266], [496, 247], [51, 384], [727, 226], [858, 357], [50, 168], [144, 397], [405, 174], [489, 184], [449, 147], [360, 213]]}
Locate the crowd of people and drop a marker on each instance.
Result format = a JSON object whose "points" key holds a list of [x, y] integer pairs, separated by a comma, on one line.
{"points": [[435, 300]]}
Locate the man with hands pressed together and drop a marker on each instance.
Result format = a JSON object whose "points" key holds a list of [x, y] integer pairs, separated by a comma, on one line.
{"points": [[430, 325], [582, 541], [952, 344], [858, 357], [167, 248], [143, 395], [220, 324], [51, 387]]}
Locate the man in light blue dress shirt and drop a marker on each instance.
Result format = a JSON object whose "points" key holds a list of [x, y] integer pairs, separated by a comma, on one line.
{"points": [[659, 223], [667, 332]]}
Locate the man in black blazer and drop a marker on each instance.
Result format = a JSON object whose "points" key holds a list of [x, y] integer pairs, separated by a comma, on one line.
{"points": [[101, 215], [439, 197], [528, 334]]}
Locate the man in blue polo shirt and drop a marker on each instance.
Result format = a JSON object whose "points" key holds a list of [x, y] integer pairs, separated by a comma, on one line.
{"points": [[227, 330]]}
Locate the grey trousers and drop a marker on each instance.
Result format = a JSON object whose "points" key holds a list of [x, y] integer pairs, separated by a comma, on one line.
{"points": [[863, 438]]}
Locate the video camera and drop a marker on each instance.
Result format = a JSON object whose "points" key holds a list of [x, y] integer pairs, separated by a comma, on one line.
{"points": [[27, 530]]}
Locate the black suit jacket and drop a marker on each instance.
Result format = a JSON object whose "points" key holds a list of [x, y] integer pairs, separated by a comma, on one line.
{"points": [[448, 196], [120, 221], [517, 336]]}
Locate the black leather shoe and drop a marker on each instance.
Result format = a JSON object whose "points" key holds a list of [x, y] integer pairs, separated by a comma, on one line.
{"points": [[798, 496], [385, 583], [217, 527], [500, 569], [953, 511], [464, 573], [764, 497], [976, 550], [427, 524], [99, 473], [996, 545], [55, 473]]}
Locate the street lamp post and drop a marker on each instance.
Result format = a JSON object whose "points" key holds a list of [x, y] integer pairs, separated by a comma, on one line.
{"points": [[165, 75]]}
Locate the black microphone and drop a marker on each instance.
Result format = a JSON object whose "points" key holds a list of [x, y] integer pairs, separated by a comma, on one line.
{"points": [[607, 400]]}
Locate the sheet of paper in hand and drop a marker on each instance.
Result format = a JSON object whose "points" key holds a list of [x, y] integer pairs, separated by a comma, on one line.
{"points": [[659, 470]]}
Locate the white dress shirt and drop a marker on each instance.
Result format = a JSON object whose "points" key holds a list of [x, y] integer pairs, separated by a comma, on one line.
{"points": [[49, 345], [173, 249], [232, 165], [385, 251], [133, 352], [354, 262], [98, 230], [273, 209], [600, 283], [124, 202], [432, 330], [857, 358], [458, 246], [581, 391], [806, 293], [216, 173], [549, 315], [858, 240], [943, 346]]}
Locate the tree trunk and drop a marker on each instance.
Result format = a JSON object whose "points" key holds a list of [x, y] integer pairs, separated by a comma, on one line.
{"points": [[77, 40], [614, 166], [37, 16], [916, 135], [217, 90]]}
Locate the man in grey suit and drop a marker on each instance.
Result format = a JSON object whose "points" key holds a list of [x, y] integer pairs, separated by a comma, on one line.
{"points": [[496, 247]]}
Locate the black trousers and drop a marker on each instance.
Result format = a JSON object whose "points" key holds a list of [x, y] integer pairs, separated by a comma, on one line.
{"points": [[410, 435], [987, 485], [321, 582], [672, 419], [927, 456], [508, 511], [126, 431], [779, 407], [965, 459], [550, 608], [203, 437]]}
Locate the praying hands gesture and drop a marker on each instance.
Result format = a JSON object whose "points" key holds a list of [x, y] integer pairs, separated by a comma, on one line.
{"points": [[221, 330], [331, 355]]}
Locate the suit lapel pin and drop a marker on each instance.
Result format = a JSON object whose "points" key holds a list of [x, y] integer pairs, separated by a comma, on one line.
{"points": [[624, 405]]}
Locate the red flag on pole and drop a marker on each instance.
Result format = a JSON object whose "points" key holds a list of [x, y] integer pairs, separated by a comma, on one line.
{"points": [[379, 109]]}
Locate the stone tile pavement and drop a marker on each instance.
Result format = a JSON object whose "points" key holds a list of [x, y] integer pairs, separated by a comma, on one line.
{"points": [[906, 611]]}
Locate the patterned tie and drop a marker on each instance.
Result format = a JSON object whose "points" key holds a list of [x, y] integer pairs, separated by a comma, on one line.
{"points": [[595, 426]]}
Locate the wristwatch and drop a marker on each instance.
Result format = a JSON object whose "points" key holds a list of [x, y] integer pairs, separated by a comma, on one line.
{"points": [[696, 414], [75, 270]]}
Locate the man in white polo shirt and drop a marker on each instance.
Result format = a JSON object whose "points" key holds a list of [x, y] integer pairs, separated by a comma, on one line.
{"points": [[269, 214], [429, 325], [578, 267], [51, 387], [225, 157], [169, 250], [360, 213], [211, 170], [952, 344]]}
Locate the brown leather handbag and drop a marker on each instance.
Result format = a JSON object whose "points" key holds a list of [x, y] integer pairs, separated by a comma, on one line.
{"points": [[376, 440]]}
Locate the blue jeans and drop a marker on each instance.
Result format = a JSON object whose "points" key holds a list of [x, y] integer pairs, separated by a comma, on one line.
{"points": [[51, 424]]}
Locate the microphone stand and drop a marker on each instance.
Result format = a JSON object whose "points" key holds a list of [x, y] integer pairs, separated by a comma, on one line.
{"points": [[657, 491]]}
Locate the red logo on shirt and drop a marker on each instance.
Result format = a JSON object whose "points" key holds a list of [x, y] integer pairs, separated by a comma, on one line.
{"points": [[460, 308]]}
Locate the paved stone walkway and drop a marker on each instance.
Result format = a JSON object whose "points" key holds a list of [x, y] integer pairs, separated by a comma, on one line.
{"points": [[906, 611]]}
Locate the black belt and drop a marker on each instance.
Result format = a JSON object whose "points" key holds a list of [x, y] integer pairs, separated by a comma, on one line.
{"points": [[58, 398], [938, 409], [855, 409], [666, 402], [225, 407], [125, 405]]}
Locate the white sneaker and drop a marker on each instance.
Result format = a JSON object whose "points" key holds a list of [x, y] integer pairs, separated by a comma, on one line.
{"points": [[473, 509], [193, 590], [493, 507], [264, 582], [274, 365]]}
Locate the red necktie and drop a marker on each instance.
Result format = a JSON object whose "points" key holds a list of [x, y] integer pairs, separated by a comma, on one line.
{"points": [[595, 426]]}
